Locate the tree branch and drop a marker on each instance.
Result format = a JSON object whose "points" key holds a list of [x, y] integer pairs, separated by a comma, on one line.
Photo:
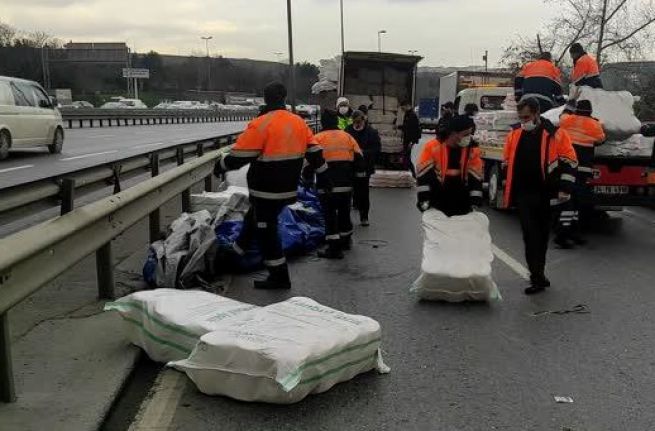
{"points": [[630, 35], [615, 11]]}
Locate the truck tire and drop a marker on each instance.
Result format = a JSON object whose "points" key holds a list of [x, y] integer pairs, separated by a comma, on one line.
{"points": [[57, 142], [496, 192], [5, 144]]}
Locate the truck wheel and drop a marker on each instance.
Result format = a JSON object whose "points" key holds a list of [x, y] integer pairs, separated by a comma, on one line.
{"points": [[495, 188], [5, 144], [57, 142]]}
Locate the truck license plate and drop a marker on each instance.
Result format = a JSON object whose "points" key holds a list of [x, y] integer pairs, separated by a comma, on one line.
{"points": [[612, 190]]}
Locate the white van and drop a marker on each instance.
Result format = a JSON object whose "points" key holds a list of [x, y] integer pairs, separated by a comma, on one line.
{"points": [[28, 117], [487, 98]]}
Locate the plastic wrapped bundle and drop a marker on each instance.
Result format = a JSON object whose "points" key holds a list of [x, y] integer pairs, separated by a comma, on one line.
{"points": [[392, 179], [457, 259]]}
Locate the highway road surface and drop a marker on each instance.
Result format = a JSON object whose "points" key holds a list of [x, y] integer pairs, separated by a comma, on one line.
{"points": [[464, 367], [88, 147]]}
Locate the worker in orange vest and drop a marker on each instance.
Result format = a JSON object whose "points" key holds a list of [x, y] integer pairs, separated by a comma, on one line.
{"points": [[586, 133], [345, 162], [540, 167], [449, 171], [275, 144], [585, 68], [542, 80]]}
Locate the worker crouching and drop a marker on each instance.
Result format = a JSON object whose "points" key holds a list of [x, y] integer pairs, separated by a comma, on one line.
{"points": [[449, 171], [345, 162]]}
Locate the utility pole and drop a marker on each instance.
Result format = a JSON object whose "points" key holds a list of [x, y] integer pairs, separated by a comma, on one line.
{"points": [[485, 57], [292, 73], [343, 45], [380, 33]]}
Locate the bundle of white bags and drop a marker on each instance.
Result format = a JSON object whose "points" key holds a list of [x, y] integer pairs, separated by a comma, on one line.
{"points": [[392, 179], [457, 257], [277, 354], [613, 108]]}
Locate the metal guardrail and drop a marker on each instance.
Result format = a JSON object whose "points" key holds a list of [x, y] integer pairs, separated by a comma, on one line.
{"points": [[31, 258], [140, 117]]}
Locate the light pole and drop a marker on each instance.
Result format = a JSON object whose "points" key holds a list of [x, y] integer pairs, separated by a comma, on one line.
{"points": [[292, 74], [209, 64], [380, 33], [342, 38]]}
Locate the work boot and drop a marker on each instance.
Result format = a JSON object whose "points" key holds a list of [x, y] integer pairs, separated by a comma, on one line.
{"points": [[538, 283], [277, 279], [331, 252], [563, 242]]}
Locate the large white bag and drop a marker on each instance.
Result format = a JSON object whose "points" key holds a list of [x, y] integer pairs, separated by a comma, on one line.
{"points": [[283, 352], [167, 323], [457, 257]]}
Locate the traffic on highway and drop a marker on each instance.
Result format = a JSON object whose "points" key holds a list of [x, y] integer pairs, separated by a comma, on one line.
{"points": [[273, 233]]}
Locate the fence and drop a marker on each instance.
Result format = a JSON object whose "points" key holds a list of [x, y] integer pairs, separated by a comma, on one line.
{"points": [[31, 258], [140, 117]]}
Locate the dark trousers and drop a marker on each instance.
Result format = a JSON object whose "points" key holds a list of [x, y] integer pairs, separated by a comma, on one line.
{"points": [[260, 224], [362, 196], [579, 206], [534, 213], [336, 211], [407, 148]]}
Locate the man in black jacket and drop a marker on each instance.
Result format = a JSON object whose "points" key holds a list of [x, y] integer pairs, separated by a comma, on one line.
{"points": [[411, 129], [369, 142]]}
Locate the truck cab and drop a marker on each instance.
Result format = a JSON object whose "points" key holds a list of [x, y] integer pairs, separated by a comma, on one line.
{"points": [[486, 98]]}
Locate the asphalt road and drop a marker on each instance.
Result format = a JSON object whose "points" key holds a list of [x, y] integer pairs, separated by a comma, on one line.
{"points": [[87, 147], [470, 366]]}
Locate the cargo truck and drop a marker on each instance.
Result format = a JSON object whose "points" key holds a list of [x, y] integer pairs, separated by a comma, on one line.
{"points": [[381, 81], [452, 89]]}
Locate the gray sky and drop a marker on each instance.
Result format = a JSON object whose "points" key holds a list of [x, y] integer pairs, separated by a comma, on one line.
{"points": [[445, 32]]}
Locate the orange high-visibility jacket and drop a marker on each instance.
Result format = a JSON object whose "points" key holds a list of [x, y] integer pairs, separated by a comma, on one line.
{"points": [[344, 159], [558, 160], [540, 79], [585, 133], [586, 72], [432, 170], [275, 145]]}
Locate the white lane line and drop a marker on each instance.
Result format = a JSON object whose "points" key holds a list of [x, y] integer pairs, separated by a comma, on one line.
{"points": [[521, 270], [158, 411], [84, 156], [17, 168], [100, 136], [148, 145]]}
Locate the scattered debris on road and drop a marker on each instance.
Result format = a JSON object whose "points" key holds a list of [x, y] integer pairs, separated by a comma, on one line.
{"points": [[578, 309]]}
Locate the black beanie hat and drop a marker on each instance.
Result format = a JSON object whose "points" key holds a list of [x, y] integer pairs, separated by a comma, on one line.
{"points": [[584, 108], [461, 123]]}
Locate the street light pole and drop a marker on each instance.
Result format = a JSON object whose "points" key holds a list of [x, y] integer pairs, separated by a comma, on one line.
{"points": [[292, 74], [209, 64], [380, 33], [343, 45]]}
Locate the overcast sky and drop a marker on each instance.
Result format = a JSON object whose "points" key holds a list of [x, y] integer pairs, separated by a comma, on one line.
{"points": [[445, 32]]}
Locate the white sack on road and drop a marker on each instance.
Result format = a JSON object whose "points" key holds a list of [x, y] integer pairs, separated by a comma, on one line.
{"points": [[457, 259], [167, 323], [284, 352]]}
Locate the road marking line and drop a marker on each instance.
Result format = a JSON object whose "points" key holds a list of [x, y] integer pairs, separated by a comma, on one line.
{"points": [[2, 171], [84, 156], [517, 267], [148, 145], [101, 136], [158, 411]]}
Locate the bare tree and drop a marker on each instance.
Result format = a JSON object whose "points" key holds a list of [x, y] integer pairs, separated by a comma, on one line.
{"points": [[7, 34], [612, 29]]}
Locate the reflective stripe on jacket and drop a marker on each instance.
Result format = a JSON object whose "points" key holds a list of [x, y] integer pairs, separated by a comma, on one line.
{"points": [[559, 162]]}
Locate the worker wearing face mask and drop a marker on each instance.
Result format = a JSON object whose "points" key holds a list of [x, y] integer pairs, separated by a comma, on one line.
{"points": [[540, 167], [345, 113], [449, 171], [369, 142]]}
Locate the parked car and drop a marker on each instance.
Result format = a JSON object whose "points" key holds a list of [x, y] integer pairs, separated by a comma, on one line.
{"points": [[80, 104], [122, 103], [28, 117]]}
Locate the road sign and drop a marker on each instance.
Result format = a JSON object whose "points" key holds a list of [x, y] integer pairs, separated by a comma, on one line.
{"points": [[136, 73]]}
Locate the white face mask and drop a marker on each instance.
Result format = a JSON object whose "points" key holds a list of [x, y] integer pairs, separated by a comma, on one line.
{"points": [[465, 141], [358, 127], [343, 110], [529, 126]]}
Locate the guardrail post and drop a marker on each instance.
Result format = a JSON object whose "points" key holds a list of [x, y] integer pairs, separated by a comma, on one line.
{"points": [[81, 124], [70, 124], [91, 123], [154, 217], [7, 389], [67, 195], [105, 272], [101, 123], [186, 194]]}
